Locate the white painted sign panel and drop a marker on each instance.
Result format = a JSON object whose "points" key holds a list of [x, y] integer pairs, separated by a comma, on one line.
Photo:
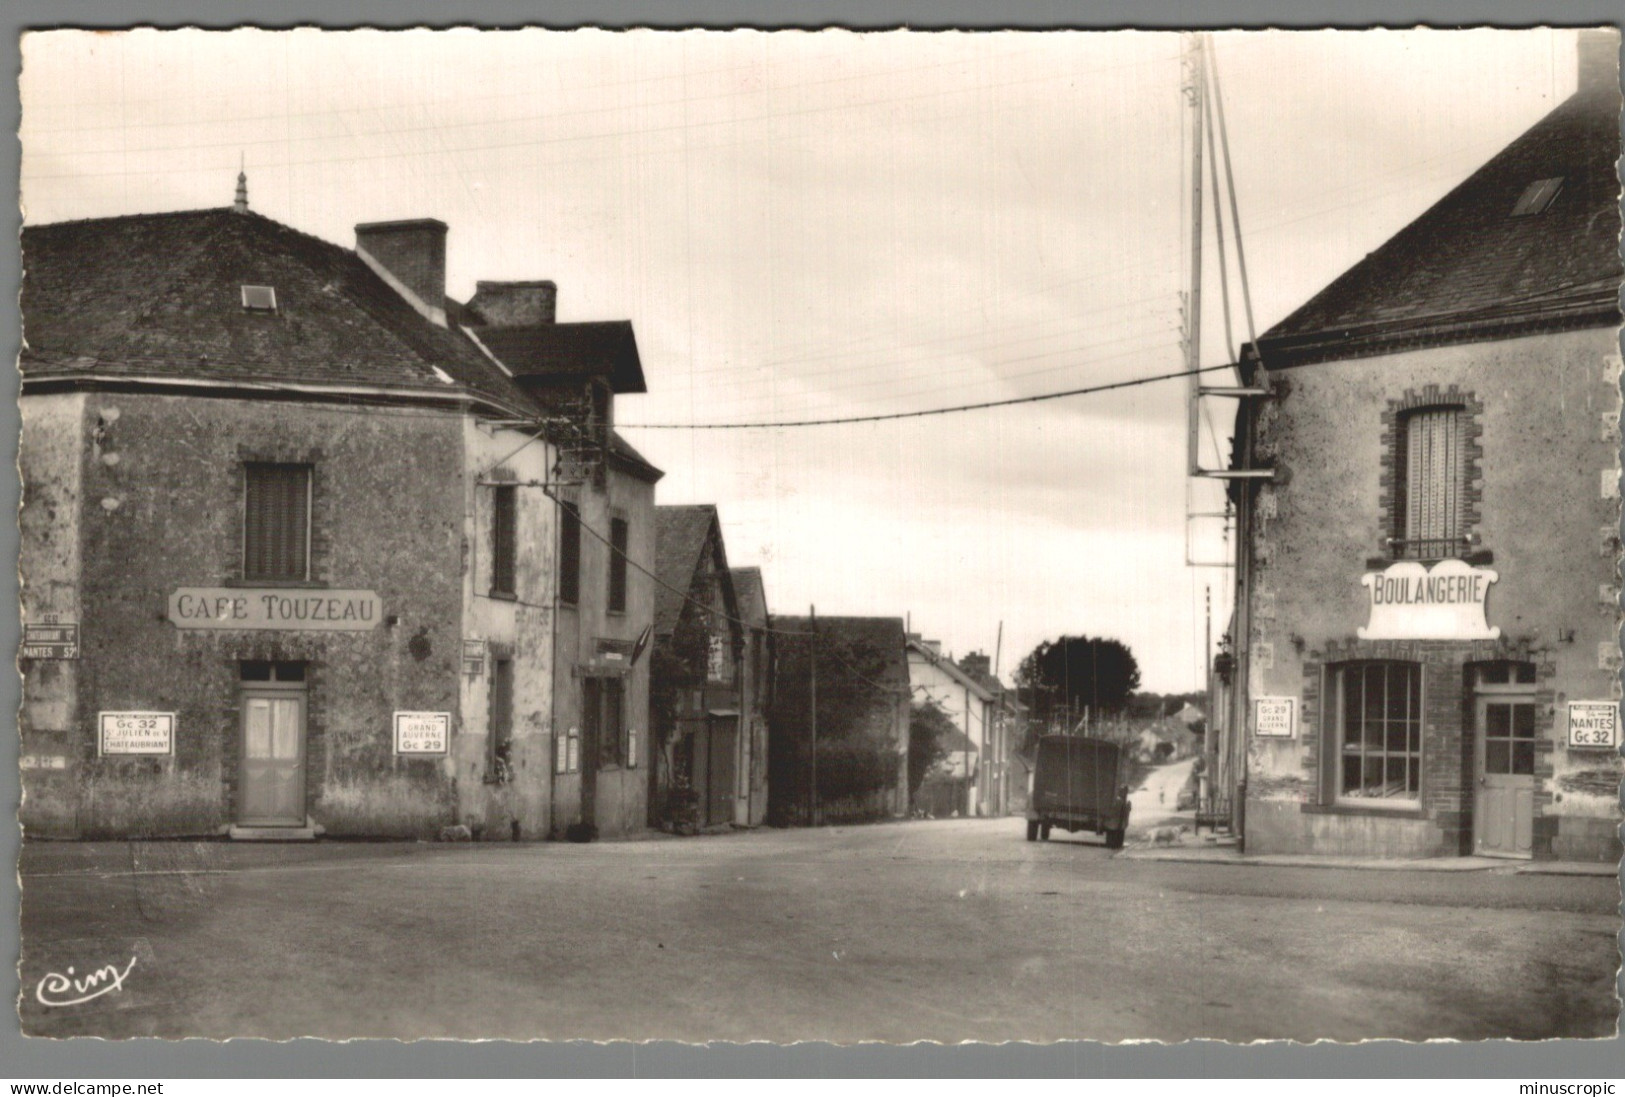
{"points": [[1410, 601], [276, 608], [1275, 717], [142, 733], [422, 733], [1594, 724]]}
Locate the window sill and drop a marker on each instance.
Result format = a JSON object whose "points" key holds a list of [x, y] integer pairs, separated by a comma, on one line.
{"points": [[1396, 811], [503, 595], [280, 584]]}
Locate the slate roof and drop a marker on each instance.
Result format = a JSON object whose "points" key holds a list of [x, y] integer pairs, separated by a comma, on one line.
{"points": [[160, 296], [681, 535], [638, 464], [1467, 270], [604, 348], [883, 633], [752, 595]]}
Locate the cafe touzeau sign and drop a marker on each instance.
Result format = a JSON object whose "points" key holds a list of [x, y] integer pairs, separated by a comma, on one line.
{"points": [[1410, 601], [275, 608]]}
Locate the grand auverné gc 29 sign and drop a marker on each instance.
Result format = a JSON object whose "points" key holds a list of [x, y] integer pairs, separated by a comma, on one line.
{"points": [[1410, 601], [275, 608]]}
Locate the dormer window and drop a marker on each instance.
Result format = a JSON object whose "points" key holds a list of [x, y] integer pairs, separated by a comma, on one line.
{"points": [[259, 299], [1538, 196]]}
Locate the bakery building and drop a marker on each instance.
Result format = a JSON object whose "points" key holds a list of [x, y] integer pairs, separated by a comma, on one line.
{"points": [[284, 569], [1427, 594]]}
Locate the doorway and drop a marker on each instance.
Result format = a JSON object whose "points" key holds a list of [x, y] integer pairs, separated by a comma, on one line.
{"points": [[722, 750], [271, 785], [1504, 802]]}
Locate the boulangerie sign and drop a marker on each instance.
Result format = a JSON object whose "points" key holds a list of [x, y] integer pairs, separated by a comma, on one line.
{"points": [[1410, 601]]}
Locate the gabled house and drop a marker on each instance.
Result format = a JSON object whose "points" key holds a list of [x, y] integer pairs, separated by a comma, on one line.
{"points": [[839, 719], [697, 673], [1424, 659], [603, 593], [756, 678], [972, 707], [284, 566]]}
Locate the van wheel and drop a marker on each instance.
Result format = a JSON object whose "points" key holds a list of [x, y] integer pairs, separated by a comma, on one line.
{"points": [[1032, 830], [1114, 839], [1043, 831]]}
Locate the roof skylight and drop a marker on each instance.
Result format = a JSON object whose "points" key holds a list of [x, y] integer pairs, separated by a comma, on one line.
{"points": [[259, 298], [1537, 196]]}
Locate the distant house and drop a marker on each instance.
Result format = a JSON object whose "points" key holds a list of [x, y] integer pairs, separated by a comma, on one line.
{"points": [[699, 649], [756, 678], [604, 553], [936, 679], [840, 683]]}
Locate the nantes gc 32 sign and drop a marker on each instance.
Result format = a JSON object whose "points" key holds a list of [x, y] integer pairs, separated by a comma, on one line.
{"points": [[1410, 601], [278, 608]]}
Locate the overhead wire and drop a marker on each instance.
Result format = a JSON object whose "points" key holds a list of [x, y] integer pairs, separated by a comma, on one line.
{"points": [[1133, 382]]}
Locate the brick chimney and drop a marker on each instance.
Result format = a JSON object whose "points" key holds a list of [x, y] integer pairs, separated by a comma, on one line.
{"points": [[411, 257], [977, 665], [1598, 59], [515, 304]]}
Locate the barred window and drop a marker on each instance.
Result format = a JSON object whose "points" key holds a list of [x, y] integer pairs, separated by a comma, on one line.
{"points": [[276, 522], [1431, 484], [1377, 708]]}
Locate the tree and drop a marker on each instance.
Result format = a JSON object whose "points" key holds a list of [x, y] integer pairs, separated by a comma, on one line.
{"points": [[928, 731], [1062, 680]]}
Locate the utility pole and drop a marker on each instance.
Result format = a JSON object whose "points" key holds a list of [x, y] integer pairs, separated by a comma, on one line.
{"points": [[812, 614]]}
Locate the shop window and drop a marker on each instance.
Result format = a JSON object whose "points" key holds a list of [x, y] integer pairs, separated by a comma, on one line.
{"points": [[569, 553], [499, 760], [617, 565], [503, 538], [1377, 733], [276, 522], [1431, 484]]}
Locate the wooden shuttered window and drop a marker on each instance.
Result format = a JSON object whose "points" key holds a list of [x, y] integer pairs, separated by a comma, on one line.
{"points": [[504, 538], [1434, 482], [276, 522], [569, 553], [617, 565]]}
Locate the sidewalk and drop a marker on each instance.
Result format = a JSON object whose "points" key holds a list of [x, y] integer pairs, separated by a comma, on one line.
{"points": [[1227, 855]]}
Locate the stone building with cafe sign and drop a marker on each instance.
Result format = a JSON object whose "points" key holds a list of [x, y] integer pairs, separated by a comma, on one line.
{"points": [[281, 539], [1427, 590]]}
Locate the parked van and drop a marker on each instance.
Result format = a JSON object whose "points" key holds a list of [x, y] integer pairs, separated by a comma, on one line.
{"points": [[1078, 784]]}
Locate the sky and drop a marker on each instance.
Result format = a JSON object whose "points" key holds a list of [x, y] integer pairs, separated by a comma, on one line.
{"points": [[805, 225]]}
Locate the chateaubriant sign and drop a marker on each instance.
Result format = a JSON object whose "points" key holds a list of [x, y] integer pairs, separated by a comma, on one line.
{"points": [[1275, 717], [1594, 724], [145, 733], [1410, 601], [54, 640], [275, 608], [422, 733]]}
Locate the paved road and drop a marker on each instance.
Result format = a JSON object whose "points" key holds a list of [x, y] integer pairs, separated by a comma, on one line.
{"points": [[1156, 801], [948, 930]]}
